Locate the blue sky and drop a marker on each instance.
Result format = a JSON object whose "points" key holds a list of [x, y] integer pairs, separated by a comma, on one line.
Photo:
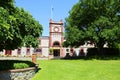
{"points": [[41, 10]]}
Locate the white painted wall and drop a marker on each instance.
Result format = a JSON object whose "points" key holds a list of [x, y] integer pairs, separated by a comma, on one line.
{"points": [[14, 52], [23, 51], [2, 52], [31, 51], [77, 50], [45, 42], [45, 52], [45, 46]]}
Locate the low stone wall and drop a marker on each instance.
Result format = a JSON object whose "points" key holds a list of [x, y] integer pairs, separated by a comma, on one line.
{"points": [[18, 74]]}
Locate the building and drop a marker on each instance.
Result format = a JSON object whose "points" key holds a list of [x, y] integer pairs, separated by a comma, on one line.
{"points": [[23, 51], [46, 43], [55, 40]]}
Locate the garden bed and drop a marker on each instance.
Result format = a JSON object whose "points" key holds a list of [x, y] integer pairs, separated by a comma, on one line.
{"points": [[16, 70]]}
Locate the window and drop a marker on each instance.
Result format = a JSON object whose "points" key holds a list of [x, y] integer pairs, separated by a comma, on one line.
{"points": [[38, 50], [19, 51]]}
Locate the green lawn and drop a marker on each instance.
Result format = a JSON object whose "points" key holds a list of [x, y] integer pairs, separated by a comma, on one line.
{"points": [[78, 70]]}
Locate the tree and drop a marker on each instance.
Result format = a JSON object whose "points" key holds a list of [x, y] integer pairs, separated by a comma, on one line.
{"points": [[17, 27], [97, 21]]}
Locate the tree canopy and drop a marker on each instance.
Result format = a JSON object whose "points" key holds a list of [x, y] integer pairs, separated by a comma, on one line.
{"points": [[97, 21], [17, 27]]}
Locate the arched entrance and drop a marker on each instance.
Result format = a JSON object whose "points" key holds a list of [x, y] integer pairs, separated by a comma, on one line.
{"points": [[56, 49], [56, 52]]}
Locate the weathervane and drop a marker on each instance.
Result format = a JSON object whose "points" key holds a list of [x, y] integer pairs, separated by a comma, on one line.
{"points": [[52, 9]]}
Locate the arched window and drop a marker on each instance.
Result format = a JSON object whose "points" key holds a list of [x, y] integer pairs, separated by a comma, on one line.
{"points": [[56, 43]]}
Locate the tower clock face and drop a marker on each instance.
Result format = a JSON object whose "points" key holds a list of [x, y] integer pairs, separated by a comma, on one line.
{"points": [[56, 29]]}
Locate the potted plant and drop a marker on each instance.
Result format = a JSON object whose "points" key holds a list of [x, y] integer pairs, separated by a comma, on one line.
{"points": [[50, 53]]}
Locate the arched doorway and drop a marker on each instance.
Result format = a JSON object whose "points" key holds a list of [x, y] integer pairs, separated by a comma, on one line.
{"points": [[56, 50]]}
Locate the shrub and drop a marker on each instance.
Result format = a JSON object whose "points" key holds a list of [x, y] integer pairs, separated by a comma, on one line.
{"points": [[105, 53], [15, 64], [50, 51], [20, 65]]}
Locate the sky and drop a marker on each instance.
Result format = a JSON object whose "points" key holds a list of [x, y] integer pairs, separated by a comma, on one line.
{"points": [[43, 10]]}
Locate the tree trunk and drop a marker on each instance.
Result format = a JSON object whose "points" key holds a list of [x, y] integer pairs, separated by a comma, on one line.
{"points": [[100, 46]]}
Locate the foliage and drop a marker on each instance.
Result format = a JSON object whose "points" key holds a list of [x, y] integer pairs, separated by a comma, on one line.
{"points": [[8, 5], [16, 25], [51, 51], [106, 53], [78, 70], [20, 65], [30, 40], [15, 64], [97, 21]]}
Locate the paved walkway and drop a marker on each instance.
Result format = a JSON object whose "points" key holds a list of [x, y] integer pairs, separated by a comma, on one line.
{"points": [[21, 58]]}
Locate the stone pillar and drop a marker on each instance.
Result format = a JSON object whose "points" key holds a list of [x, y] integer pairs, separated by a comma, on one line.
{"points": [[34, 58]]}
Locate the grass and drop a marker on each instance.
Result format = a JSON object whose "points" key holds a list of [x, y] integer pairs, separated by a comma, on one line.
{"points": [[78, 70]]}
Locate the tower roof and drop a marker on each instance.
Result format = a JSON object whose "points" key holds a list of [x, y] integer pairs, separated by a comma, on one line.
{"points": [[54, 22]]}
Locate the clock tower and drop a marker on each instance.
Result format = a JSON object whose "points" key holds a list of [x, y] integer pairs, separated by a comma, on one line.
{"points": [[56, 38]]}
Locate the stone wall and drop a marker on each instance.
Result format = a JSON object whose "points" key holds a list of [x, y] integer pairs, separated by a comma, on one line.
{"points": [[18, 74]]}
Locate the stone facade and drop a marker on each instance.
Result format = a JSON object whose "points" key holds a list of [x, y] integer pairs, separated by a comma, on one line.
{"points": [[18, 74]]}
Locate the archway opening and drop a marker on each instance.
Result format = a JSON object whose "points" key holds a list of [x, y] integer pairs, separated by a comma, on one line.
{"points": [[56, 44], [56, 52]]}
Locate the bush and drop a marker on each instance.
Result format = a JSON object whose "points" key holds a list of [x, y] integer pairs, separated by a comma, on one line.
{"points": [[105, 53], [15, 64], [20, 65], [92, 52]]}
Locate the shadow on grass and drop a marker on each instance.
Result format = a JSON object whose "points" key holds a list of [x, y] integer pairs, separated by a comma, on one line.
{"points": [[37, 68]]}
